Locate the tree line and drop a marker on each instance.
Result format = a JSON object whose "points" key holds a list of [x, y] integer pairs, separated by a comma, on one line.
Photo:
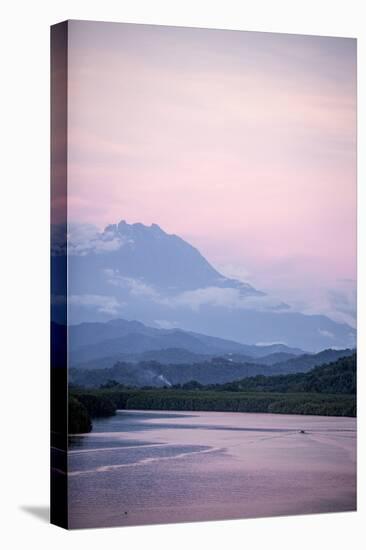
{"points": [[329, 390]]}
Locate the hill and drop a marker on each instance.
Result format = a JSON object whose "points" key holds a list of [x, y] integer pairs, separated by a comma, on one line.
{"points": [[124, 340], [333, 378], [218, 370]]}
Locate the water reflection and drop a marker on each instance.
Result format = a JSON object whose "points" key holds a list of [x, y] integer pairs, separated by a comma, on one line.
{"points": [[154, 467]]}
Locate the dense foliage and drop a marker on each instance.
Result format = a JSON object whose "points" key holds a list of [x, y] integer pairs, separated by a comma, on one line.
{"points": [[337, 377], [329, 390], [206, 400], [211, 400], [97, 404], [79, 419]]}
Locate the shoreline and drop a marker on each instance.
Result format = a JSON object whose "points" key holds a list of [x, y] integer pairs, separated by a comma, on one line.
{"points": [[186, 412]]}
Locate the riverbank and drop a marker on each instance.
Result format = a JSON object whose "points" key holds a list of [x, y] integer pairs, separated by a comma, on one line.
{"points": [[105, 402]]}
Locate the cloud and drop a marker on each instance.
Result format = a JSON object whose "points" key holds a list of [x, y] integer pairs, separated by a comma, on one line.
{"points": [[163, 323], [344, 299], [194, 299], [85, 239], [264, 303], [280, 307], [136, 287], [337, 299], [215, 296], [326, 333], [222, 297], [338, 303], [235, 271], [275, 343], [103, 304]]}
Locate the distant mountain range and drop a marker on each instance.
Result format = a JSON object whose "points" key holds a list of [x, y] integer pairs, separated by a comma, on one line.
{"points": [[96, 345], [141, 272], [134, 354]]}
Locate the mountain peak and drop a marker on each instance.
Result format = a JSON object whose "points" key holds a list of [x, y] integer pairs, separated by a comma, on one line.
{"points": [[156, 228], [146, 260], [125, 228]]}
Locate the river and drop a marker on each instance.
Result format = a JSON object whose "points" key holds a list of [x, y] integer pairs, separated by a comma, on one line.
{"points": [[146, 467]]}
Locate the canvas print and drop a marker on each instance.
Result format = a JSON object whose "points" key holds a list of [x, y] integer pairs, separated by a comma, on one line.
{"points": [[203, 261]]}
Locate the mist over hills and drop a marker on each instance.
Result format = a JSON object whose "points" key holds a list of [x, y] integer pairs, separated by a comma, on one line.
{"points": [[179, 356], [141, 272], [218, 370]]}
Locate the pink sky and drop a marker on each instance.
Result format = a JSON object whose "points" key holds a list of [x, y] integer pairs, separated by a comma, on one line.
{"points": [[242, 143]]}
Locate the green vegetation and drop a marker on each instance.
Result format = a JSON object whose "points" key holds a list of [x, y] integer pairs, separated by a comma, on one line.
{"points": [[85, 406], [210, 400], [337, 377], [329, 390], [79, 419], [97, 404]]}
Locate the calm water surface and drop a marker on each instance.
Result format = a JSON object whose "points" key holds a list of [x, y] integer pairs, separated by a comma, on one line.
{"points": [[158, 467]]}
